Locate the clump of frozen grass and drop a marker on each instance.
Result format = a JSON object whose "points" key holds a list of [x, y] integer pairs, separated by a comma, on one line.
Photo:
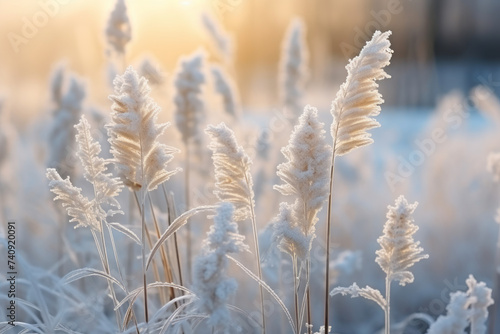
{"points": [[134, 134], [118, 29], [226, 89], [357, 101], [293, 66], [68, 108], [464, 309], [91, 213], [211, 284], [399, 252], [219, 37], [189, 106], [152, 72]]}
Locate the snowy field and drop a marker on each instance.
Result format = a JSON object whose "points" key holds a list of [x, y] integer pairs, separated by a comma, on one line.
{"points": [[200, 226]]}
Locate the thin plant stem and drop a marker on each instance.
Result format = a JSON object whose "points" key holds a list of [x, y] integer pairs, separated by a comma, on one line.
{"points": [[156, 273], [257, 255], [143, 253], [130, 249], [496, 287], [166, 267], [115, 255], [308, 296], [188, 226], [387, 306], [101, 250], [296, 293], [171, 216], [328, 232], [327, 261]]}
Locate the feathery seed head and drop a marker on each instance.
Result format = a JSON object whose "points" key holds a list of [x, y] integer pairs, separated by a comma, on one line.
{"points": [[465, 308], [233, 180], [358, 99], [118, 30], [288, 235], [105, 185], [481, 296], [399, 251], [79, 207], [306, 172], [133, 134], [189, 106], [226, 89], [151, 72], [67, 113], [457, 317], [220, 38], [211, 283], [293, 66]]}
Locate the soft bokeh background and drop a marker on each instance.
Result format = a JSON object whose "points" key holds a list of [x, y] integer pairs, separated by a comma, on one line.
{"points": [[439, 45], [442, 49]]}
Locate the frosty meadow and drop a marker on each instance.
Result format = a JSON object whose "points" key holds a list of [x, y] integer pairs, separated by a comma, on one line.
{"points": [[204, 224]]}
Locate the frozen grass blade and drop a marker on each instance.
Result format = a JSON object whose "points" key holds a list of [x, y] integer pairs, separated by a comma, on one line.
{"points": [[267, 288], [175, 226]]}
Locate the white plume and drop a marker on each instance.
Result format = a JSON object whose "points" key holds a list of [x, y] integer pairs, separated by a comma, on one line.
{"points": [[211, 284], [305, 175], [226, 90], [233, 180], [293, 66], [465, 308], [152, 72], [118, 30], [189, 106], [399, 251], [79, 207], [358, 99], [219, 37], [456, 319], [68, 108], [134, 135], [481, 297], [288, 235], [105, 185]]}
